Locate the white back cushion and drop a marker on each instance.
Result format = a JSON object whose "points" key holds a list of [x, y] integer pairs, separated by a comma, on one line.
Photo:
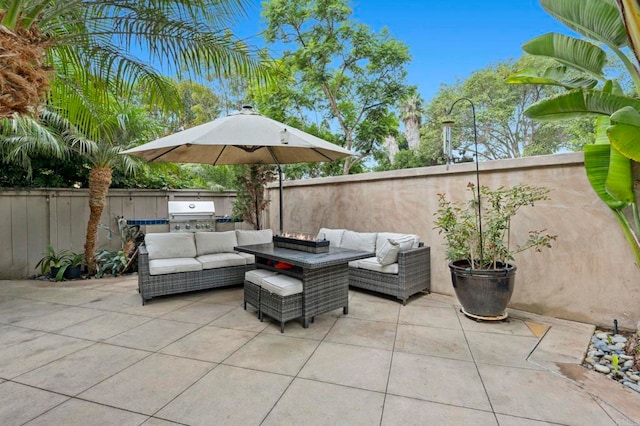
{"points": [[365, 241], [246, 238], [215, 242], [384, 236], [170, 245], [333, 235], [387, 253]]}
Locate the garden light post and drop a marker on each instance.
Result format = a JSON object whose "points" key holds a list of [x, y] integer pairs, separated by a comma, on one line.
{"points": [[447, 136]]}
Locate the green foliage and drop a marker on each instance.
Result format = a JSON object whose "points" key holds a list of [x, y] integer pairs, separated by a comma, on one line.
{"points": [[339, 70], [460, 225], [615, 363], [110, 262], [53, 258], [93, 47], [61, 260], [199, 105], [503, 129], [617, 133]]}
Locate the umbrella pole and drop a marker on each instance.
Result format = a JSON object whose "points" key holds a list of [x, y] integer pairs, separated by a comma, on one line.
{"points": [[281, 216]]}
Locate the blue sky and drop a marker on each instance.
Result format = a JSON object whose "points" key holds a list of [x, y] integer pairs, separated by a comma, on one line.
{"points": [[447, 40]]}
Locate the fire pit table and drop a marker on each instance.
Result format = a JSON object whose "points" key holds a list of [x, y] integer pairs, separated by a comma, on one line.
{"points": [[324, 276]]}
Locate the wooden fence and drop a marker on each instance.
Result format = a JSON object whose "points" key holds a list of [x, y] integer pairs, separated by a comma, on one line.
{"points": [[30, 220]]}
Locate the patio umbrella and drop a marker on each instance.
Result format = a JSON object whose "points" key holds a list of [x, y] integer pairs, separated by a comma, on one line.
{"points": [[242, 138]]}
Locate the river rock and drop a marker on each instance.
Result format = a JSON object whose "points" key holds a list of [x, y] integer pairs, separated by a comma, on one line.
{"points": [[602, 369], [634, 377], [626, 357], [589, 360], [629, 363], [619, 339], [602, 336], [620, 345], [600, 345], [632, 386]]}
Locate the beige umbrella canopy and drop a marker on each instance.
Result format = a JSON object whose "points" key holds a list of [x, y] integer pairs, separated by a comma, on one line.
{"points": [[242, 138]]}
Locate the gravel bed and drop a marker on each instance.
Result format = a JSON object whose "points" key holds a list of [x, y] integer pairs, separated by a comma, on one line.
{"points": [[617, 356]]}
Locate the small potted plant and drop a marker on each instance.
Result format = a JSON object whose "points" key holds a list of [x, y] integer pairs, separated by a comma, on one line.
{"points": [[479, 248], [71, 267], [53, 261]]}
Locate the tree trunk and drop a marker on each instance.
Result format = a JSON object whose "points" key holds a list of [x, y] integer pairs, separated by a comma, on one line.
{"points": [[412, 132], [99, 183], [391, 145]]}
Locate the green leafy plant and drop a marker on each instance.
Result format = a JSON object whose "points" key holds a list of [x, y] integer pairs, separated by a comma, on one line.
{"points": [[615, 362], [110, 262], [71, 261], [54, 259], [602, 24], [460, 225]]}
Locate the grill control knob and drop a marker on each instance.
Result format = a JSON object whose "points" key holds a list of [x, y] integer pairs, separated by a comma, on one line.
{"points": [[207, 226], [187, 226], [177, 227], [197, 226]]}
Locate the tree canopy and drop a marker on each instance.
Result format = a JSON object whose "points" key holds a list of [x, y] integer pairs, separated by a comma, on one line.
{"points": [[343, 71]]}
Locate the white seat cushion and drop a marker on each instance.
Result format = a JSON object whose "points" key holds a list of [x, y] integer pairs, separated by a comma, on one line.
{"points": [[282, 285], [372, 264], [247, 238], [403, 238], [221, 260], [171, 266], [168, 245], [248, 257], [365, 241], [215, 242], [387, 252], [333, 235], [255, 276]]}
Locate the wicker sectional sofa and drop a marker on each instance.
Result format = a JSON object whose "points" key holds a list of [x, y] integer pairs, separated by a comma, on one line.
{"points": [[170, 263], [401, 267]]}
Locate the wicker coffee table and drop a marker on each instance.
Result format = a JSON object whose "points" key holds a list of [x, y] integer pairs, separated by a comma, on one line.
{"points": [[325, 276]]}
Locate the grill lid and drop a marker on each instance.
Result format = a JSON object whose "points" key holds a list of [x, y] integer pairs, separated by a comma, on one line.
{"points": [[190, 209]]}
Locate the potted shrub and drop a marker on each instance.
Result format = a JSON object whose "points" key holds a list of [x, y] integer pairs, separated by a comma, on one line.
{"points": [[53, 261], [479, 247]]}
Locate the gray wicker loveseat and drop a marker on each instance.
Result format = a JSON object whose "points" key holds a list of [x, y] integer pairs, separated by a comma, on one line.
{"points": [[401, 267], [170, 263]]}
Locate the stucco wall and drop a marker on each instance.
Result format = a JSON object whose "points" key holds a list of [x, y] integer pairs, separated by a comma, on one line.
{"points": [[589, 275]]}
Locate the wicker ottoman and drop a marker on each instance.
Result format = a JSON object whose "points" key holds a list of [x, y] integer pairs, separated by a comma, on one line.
{"points": [[281, 298], [252, 284]]}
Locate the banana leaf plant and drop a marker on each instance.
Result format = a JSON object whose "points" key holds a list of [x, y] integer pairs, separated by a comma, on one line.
{"points": [[614, 25]]}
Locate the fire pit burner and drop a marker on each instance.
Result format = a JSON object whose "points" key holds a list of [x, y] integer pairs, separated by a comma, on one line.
{"points": [[295, 242]]}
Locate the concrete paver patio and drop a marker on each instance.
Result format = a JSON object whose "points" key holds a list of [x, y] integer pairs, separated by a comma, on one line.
{"points": [[88, 353]]}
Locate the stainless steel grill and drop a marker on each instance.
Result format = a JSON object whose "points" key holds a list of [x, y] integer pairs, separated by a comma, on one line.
{"points": [[191, 216]]}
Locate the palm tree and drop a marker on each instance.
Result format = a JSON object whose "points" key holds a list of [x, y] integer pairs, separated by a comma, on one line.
{"points": [[77, 59], [411, 109], [65, 49], [124, 127]]}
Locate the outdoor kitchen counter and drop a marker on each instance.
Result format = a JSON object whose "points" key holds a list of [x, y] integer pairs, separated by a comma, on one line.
{"points": [[325, 276]]}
